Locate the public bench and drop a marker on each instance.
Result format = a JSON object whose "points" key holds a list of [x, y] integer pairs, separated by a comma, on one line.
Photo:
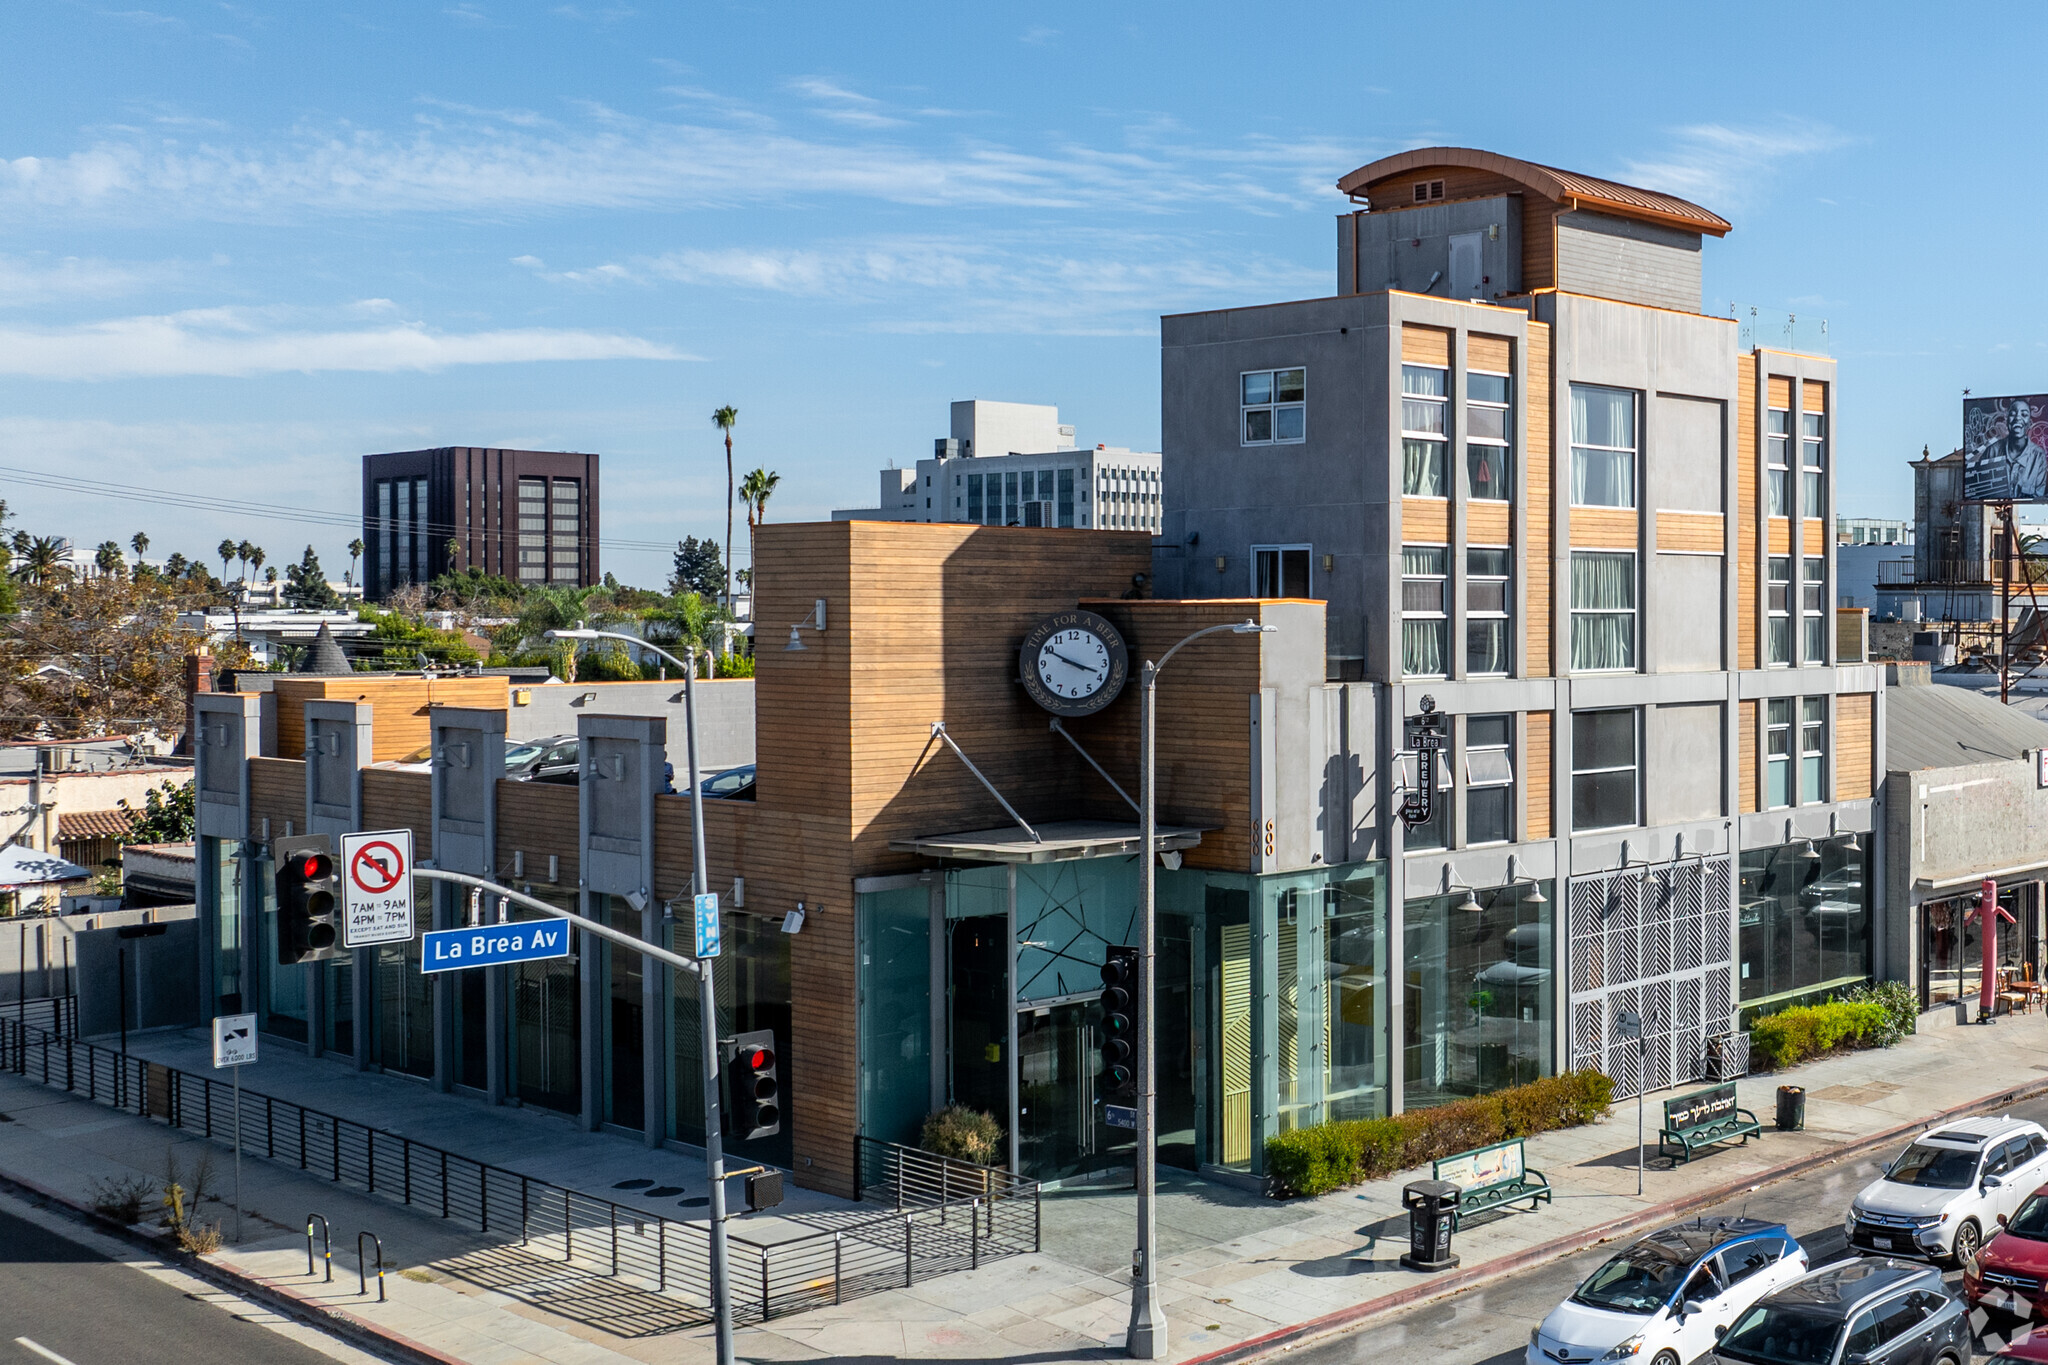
{"points": [[1491, 1178], [1695, 1122]]}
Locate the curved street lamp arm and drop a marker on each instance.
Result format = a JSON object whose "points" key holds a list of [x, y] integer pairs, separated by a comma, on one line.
{"points": [[1246, 627]]}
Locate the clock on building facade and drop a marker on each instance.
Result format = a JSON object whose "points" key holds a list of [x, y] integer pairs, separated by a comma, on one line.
{"points": [[1073, 663]]}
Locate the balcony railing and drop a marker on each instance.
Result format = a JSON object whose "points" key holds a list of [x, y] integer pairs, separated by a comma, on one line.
{"points": [[1938, 573]]}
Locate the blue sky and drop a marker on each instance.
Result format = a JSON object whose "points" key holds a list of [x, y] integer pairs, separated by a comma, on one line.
{"points": [[243, 244]]}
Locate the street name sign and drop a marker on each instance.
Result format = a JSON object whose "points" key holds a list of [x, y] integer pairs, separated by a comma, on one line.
{"points": [[491, 945], [376, 888], [234, 1040]]}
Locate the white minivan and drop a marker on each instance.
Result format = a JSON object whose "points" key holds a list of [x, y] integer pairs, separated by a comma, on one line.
{"points": [[1943, 1196]]}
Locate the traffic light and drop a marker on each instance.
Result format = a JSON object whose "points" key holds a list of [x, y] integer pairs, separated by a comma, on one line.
{"points": [[308, 923], [1120, 1015], [753, 1105]]}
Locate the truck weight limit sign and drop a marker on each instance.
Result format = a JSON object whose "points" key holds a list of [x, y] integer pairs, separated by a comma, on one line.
{"points": [[376, 885]]}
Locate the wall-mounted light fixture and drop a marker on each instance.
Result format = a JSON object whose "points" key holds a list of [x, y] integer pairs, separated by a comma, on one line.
{"points": [[793, 922], [554, 867], [1849, 844], [1329, 563], [815, 621], [519, 863], [1221, 563]]}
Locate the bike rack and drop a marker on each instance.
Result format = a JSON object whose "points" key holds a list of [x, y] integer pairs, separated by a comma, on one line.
{"points": [[362, 1278], [326, 1245]]}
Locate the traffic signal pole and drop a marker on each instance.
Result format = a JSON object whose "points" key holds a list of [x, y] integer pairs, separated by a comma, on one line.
{"points": [[714, 1138]]}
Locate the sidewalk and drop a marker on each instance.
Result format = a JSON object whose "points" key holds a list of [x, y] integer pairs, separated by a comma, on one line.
{"points": [[1236, 1269]]}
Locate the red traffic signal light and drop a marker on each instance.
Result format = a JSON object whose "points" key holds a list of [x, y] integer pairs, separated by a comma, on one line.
{"points": [[753, 1090], [315, 866]]}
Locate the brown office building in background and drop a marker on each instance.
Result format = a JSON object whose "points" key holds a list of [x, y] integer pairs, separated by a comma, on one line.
{"points": [[526, 515]]}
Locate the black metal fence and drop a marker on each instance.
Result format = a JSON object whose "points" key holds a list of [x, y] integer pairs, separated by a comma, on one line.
{"points": [[823, 1258]]}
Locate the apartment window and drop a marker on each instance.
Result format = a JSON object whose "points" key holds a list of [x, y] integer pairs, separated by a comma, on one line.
{"points": [[1603, 447], [1280, 571], [1274, 406], [1488, 428], [1604, 776], [1435, 832], [1425, 622], [1813, 748], [1778, 610], [1813, 595], [1778, 464], [565, 557], [1813, 442], [1603, 610], [1486, 610], [533, 530], [1012, 513], [1066, 497], [1777, 752], [974, 497], [1425, 403], [1489, 779]]}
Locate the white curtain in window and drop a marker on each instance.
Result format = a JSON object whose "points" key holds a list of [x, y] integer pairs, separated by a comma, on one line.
{"points": [[1422, 468], [1422, 648], [1603, 611], [1603, 478], [1486, 645], [1603, 417]]}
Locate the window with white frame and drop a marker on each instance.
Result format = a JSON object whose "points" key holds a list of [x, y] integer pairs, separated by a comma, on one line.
{"points": [[1603, 447], [1778, 463], [1489, 779], [1813, 748], [1486, 609], [1435, 832], [1813, 443], [1777, 752], [1280, 571], [1425, 430], [1273, 407], [1813, 595], [1778, 610], [1604, 769], [1489, 429], [1603, 610], [1425, 618]]}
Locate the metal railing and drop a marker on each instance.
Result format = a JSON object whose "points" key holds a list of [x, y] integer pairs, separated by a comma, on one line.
{"points": [[823, 1258], [907, 1177]]}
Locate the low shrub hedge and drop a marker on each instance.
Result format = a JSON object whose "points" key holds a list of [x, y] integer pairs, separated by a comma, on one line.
{"points": [[1330, 1156], [1807, 1031]]}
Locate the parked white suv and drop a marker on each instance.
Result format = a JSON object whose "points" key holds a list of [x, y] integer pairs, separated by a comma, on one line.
{"points": [[1943, 1196]]}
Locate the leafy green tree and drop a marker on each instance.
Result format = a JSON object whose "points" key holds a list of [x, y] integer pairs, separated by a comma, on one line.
{"points": [[725, 419], [408, 642], [697, 568], [305, 585], [166, 816]]}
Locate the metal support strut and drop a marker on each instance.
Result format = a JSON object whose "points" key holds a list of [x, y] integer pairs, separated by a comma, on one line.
{"points": [[939, 732]]}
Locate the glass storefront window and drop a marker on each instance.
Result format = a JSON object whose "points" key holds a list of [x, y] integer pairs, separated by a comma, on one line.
{"points": [[1355, 998], [1952, 946], [283, 1006], [1480, 994], [1804, 921], [751, 982], [545, 1021], [625, 1088], [895, 1012], [405, 1010], [225, 858]]}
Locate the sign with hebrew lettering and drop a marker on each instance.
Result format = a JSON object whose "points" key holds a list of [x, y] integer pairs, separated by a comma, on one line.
{"points": [[1700, 1107]]}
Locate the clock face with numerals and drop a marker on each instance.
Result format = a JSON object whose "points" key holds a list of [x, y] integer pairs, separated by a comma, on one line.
{"points": [[1073, 663]]}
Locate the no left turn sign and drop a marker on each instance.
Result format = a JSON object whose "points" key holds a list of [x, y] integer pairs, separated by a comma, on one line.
{"points": [[376, 888]]}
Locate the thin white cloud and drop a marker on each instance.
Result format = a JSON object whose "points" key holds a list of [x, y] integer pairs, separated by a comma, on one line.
{"points": [[836, 102], [35, 280], [1725, 164], [237, 342]]}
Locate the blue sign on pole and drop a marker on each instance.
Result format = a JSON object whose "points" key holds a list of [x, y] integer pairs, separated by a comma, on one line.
{"points": [[447, 950], [707, 925]]}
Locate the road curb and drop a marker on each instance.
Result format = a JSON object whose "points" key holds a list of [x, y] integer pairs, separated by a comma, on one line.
{"points": [[365, 1336], [1467, 1277]]}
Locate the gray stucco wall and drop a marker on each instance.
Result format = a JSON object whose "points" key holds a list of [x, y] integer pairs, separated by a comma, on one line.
{"points": [[1680, 744], [1682, 607], [725, 715], [1402, 250]]}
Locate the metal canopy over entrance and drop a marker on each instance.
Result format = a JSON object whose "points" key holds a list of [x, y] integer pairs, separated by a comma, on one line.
{"points": [[1057, 841]]}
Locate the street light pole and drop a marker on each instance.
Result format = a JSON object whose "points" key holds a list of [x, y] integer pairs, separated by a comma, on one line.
{"points": [[707, 1003], [1145, 1337]]}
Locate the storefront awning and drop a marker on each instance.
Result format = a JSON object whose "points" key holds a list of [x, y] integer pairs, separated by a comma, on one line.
{"points": [[1970, 879], [1057, 841]]}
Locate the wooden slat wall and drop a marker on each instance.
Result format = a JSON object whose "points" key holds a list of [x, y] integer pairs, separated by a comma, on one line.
{"points": [[1700, 532], [400, 725], [1749, 796], [538, 818], [1854, 778], [1814, 536], [1781, 391], [1425, 521], [1486, 523], [1536, 385], [277, 790], [1605, 528], [394, 800], [1426, 346], [1813, 396], [1489, 353], [1747, 510], [1778, 541], [1537, 759], [1460, 182]]}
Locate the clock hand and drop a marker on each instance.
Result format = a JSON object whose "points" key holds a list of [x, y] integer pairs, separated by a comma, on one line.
{"points": [[1071, 664]]}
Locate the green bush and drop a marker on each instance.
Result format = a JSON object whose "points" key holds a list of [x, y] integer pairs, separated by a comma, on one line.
{"points": [[735, 666], [1901, 1007], [1329, 1156], [963, 1134], [1807, 1031]]}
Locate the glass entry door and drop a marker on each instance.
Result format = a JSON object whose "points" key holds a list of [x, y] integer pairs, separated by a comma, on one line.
{"points": [[1062, 1135]]}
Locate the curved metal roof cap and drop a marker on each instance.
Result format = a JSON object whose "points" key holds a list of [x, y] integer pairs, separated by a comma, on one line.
{"points": [[1548, 181]]}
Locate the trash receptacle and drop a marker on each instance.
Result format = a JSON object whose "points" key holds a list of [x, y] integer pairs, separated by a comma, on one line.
{"points": [[1430, 1204], [1791, 1108]]}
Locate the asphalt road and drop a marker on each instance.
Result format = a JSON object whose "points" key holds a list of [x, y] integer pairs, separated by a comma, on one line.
{"points": [[60, 1300], [1490, 1325]]}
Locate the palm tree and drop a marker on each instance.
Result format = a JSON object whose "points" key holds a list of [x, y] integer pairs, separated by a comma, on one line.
{"points": [[226, 551], [42, 561], [355, 552], [256, 558], [242, 553], [175, 566], [724, 419], [140, 542], [107, 558], [755, 490]]}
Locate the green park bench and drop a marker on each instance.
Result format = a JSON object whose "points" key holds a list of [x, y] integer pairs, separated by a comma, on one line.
{"points": [[1695, 1122], [1490, 1178]]}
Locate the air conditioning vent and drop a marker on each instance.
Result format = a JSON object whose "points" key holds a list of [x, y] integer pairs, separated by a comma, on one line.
{"points": [[1426, 190]]}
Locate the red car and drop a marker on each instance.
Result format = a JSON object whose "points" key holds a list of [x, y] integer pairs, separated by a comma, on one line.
{"points": [[2010, 1275], [2029, 1348]]}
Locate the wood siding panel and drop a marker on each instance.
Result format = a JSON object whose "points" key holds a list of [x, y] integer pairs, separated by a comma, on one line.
{"points": [[1746, 510], [1605, 528], [1854, 774], [1813, 396], [1695, 532], [1425, 521], [1489, 353], [400, 725], [277, 791], [395, 800], [1538, 755], [1426, 346], [1487, 523], [1813, 536], [1539, 243], [1748, 797], [1538, 383], [1460, 182], [537, 819], [1780, 391], [1778, 540]]}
